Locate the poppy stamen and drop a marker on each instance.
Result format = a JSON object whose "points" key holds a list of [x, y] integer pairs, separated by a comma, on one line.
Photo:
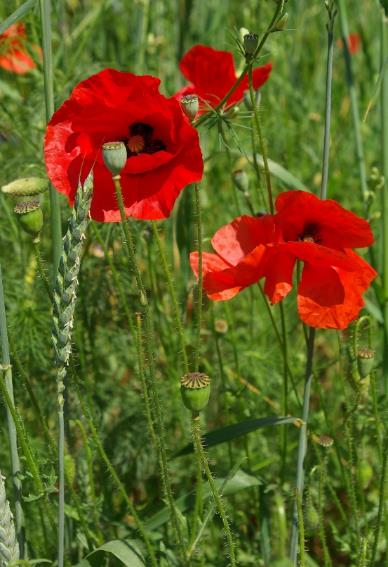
{"points": [[136, 144]]}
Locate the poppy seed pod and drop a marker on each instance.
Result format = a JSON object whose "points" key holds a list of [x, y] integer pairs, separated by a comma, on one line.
{"points": [[115, 156], [30, 217], [365, 361], [190, 106], [195, 390], [251, 41], [25, 187]]}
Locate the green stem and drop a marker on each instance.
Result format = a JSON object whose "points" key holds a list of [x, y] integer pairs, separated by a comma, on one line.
{"points": [[129, 242], [41, 269], [302, 446], [200, 277], [55, 211], [116, 278], [146, 396], [382, 501], [299, 510], [196, 429], [269, 30], [115, 477], [171, 289], [343, 20], [384, 145], [15, 460], [329, 77], [267, 173]]}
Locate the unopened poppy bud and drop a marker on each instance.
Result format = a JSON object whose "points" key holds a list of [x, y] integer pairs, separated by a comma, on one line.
{"points": [[26, 187], [195, 390], [281, 23], [241, 180], [365, 361], [190, 106], [251, 41], [248, 100], [115, 156]]}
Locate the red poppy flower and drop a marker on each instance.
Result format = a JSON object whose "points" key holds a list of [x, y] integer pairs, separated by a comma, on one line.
{"points": [[163, 148], [354, 42], [212, 74], [13, 55], [321, 234]]}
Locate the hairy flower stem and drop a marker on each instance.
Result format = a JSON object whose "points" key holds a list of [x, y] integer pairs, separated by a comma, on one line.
{"points": [[15, 460], [165, 474], [174, 300], [384, 207], [9, 547], [55, 211], [41, 268], [116, 278], [143, 380], [267, 33], [121, 488], [382, 500], [256, 116], [329, 75], [65, 294], [197, 439], [343, 21], [198, 217], [302, 446]]}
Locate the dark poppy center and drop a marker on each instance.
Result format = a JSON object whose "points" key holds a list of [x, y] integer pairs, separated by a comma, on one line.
{"points": [[310, 233], [141, 140]]}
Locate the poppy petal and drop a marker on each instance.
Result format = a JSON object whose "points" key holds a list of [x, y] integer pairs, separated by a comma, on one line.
{"points": [[322, 304], [299, 211]]}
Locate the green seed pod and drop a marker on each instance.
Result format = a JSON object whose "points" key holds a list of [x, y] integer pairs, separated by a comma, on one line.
{"points": [[115, 156], [30, 217], [241, 180], [26, 187], [251, 41], [365, 361], [281, 23], [195, 390], [190, 106]]}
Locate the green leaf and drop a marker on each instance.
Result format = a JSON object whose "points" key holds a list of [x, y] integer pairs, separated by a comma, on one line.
{"points": [[374, 310], [126, 551], [239, 481], [17, 15], [230, 432], [282, 174]]}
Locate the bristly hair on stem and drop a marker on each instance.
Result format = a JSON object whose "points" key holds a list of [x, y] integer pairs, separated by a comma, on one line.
{"points": [[303, 434]]}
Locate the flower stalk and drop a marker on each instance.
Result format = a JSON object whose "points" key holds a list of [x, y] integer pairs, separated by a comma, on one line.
{"points": [[302, 444]]}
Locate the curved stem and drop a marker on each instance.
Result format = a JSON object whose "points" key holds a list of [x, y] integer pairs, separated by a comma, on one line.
{"points": [[200, 278], [302, 446], [171, 289], [269, 30], [196, 430], [165, 474]]}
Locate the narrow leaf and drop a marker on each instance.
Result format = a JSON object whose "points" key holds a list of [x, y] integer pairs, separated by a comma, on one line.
{"points": [[225, 434]]}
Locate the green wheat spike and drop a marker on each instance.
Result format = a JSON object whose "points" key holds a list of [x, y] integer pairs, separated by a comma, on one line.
{"points": [[9, 549]]}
